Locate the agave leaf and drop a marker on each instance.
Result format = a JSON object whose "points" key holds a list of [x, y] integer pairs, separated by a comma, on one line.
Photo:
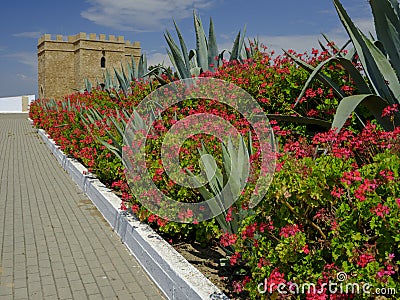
{"points": [[176, 57], [214, 175], [241, 167], [202, 189], [88, 85], [107, 80], [346, 107], [351, 54], [235, 48], [394, 56], [387, 27], [386, 72], [117, 150], [300, 120], [359, 81], [121, 131], [241, 43], [142, 67], [396, 7], [193, 53], [234, 172], [129, 69], [249, 143], [196, 71], [324, 79], [331, 43], [201, 43], [96, 114], [172, 59], [248, 50], [183, 45], [322, 46], [227, 162], [212, 47], [123, 75], [193, 62], [122, 82], [134, 68], [215, 207], [377, 67], [159, 78]]}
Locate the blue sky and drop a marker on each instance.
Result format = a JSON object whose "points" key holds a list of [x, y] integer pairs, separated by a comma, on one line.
{"points": [[279, 24]]}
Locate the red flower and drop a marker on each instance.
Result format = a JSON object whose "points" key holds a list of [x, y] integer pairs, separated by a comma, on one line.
{"points": [[234, 258], [289, 230], [347, 88], [365, 259], [274, 279], [381, 210], [390, 110], [337, 192], [228, 239], [248, 232]]}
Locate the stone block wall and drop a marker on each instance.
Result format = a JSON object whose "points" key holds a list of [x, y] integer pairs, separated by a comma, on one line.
{"points": [[64, 62]]}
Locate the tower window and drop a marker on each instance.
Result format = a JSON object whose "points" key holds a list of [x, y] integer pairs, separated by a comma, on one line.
{"points": [[103, 62]]}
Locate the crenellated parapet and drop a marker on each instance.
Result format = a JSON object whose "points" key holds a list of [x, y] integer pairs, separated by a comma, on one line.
{"points": [[72, 41], [82, 36]]}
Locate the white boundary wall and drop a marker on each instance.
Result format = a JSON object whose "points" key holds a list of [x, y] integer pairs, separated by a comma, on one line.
{"points": [[16, 104]]}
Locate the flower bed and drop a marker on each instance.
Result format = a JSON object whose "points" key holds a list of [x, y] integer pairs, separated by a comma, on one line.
{"points": [[324, 213]]}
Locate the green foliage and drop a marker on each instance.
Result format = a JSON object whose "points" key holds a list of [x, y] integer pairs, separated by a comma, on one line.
{"points": [[307, 231], [226, 184], [380, 62]]}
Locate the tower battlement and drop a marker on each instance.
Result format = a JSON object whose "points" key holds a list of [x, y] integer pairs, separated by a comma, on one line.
{"points": [[86, 37], [65, 61]]}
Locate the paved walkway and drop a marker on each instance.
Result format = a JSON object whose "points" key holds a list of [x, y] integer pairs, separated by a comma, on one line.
{"points": [[54, 244]]}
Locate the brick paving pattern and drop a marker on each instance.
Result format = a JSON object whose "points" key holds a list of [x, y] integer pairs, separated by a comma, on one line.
{"points": [[54, 244]]}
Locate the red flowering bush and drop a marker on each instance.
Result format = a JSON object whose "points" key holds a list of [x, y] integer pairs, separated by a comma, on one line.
{"points": [[323, 214], [338, 211]]}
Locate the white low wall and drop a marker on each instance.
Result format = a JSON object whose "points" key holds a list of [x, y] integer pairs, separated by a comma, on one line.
{"points": [[16, 104]]}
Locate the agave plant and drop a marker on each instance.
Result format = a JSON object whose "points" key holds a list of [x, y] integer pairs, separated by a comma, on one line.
{"points": [[91, 116], [228, 182], [206, 56], [379, 84]]}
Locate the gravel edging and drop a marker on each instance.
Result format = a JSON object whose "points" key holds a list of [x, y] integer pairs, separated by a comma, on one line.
{"points": [[170, 271]]}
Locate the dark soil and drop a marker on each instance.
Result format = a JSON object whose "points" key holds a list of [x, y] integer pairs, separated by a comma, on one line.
{"points": [[207, 261]]}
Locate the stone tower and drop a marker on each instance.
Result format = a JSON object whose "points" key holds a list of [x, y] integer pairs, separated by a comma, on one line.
{"points": [[64, 62]]}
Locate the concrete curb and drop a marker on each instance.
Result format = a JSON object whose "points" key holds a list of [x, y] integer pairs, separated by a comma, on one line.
{"points": [[170, 271]]}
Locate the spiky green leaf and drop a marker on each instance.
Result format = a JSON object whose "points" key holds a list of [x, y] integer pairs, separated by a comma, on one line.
{"points": [[346, 107], [212, 47], [378, 69], [201, 43]]}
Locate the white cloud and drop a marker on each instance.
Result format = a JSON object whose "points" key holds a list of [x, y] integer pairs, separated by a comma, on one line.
{"points": [[29, 34], [304, 43], [140, 15], [365, 25], [156, 58], [26, 58], [23, 76]]}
